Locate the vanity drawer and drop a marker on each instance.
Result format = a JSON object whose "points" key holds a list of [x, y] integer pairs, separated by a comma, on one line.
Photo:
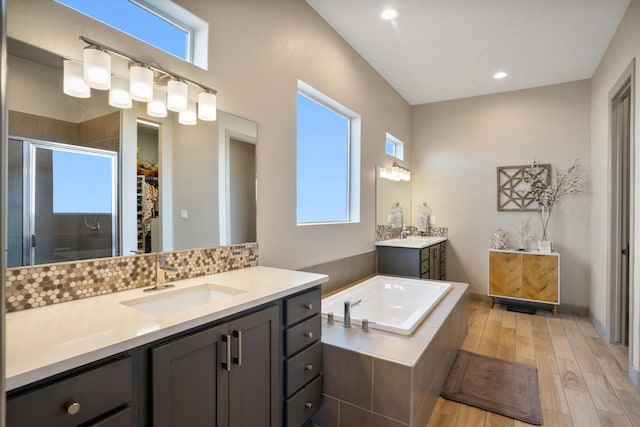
{"points": [[301, 406], [92, 393], [303, 368], [424, 254], [302, 306], [302, 335], [122, 418]]}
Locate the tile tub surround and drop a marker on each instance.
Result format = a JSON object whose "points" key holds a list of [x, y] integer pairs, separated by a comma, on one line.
{"points": [[40, 285], [389, 380]]}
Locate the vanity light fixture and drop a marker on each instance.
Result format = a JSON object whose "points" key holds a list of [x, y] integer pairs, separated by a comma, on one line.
{"points": [[73, 80], [188, 116], [177, 95], [148, 123], [95, 72], [158, 105], [500, 75], [207, 108], [119, 93], [389, 14], [395, 173], [97, 67]]}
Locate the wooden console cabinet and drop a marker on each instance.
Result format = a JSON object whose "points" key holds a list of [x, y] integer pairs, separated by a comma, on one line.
{"points": [[525, 276]]}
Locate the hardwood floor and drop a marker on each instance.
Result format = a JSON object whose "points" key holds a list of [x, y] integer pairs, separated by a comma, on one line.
{"points": [[582, 381]]}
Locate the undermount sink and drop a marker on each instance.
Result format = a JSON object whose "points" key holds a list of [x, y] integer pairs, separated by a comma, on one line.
{"points": [[181, 299]]}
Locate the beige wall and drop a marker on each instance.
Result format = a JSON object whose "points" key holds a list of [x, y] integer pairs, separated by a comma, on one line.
{"points": [[624, 47], [258, 49], [457, 146]]}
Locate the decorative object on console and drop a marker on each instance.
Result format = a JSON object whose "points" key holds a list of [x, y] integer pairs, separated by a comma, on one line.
{"points": [[499, 239], [524, 236], [547, 192], [513, 192]]}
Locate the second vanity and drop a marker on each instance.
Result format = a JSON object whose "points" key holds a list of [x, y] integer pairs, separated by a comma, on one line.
{"points": [[248, 355], [423, 257]]}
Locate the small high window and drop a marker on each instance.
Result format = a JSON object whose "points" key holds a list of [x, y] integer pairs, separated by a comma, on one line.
{"points": [[328, 160], [394, 147], [160, 23]]}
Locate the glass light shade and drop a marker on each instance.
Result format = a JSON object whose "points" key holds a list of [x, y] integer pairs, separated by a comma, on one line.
{"points": [[177, 94], [207, 108], [158, 105], [73, 80], [119, 93], [97, 68], [141, 83], [188, 116]]}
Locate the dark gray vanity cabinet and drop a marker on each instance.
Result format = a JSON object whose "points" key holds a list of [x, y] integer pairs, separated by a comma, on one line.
{"points": [[302, 354], [227, 375], [425, 263], [100, 395]]}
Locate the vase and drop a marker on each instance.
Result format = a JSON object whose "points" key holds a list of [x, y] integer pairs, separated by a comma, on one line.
{"points": [[545, 213]]}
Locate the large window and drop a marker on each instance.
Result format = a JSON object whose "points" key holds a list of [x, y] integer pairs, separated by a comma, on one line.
{"points": [[161, 23], [328, 160]]}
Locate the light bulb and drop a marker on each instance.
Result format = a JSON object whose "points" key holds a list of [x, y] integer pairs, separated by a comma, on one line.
{"points": [[177, 93], [158, 105], [141, 83], [73, 80], [119, 93], [97, 68], [188, 116], [207, 108]]}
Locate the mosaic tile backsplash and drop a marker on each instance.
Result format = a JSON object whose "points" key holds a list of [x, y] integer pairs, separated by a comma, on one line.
{"points": [[386, 232], [41, 285]]}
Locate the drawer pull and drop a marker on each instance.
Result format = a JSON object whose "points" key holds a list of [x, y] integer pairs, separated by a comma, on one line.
{"points": [[308, 306], [308, 334], [308, 405], [308, 367], [72, 408]]}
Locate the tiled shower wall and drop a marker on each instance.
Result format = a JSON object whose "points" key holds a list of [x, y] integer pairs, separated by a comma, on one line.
{"points": [[41, 285]]}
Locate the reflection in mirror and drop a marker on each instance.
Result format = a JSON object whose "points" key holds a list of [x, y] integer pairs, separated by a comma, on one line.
{"points": [[175, 187], [393, 201]]}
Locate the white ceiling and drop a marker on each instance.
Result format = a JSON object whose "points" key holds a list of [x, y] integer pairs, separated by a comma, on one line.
{"points": [[445, 49]]}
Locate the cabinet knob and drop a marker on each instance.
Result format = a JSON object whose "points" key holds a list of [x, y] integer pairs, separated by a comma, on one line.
{"points": [[72, 408], [308, 367], [308, 306], [308, 405], [308, 334]]}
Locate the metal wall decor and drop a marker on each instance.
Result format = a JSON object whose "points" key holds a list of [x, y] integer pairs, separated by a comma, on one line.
{"points": [[513, 191]]}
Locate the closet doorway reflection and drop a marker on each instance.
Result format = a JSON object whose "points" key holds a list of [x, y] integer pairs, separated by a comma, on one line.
{"points": [[148, 187]]}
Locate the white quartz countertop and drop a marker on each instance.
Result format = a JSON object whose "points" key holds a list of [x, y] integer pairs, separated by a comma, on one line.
{"points": [[45, 341], [415, 242]]}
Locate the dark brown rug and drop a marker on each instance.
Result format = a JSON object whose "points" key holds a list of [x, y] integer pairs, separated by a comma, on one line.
{"points": [[500, 386]]}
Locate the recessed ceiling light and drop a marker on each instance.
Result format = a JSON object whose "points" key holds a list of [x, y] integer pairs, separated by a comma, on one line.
{"points": [[389, 13], [500, 75]]}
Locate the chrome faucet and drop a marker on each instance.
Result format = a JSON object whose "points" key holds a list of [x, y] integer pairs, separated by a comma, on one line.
{"points": [[161, 267], [346, 322]]}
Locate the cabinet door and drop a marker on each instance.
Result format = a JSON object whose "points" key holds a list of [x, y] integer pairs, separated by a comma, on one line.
{"points": [[399, 261], [255, 377], [188, 383], [434, 262], [540, 277], [505, 274]]}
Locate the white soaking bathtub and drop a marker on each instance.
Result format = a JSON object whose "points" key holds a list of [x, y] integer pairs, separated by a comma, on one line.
{"points": [[395, 304]]}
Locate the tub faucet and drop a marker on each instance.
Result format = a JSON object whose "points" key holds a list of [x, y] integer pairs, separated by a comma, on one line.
{"points": [[346, 322], [161, 267]]}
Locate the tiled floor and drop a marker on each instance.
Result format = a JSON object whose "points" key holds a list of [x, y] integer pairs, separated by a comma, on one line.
{"points": [[582, 381]]}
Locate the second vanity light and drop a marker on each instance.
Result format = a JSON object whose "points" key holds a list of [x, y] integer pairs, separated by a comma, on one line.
{"points": [[142, 84]]}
